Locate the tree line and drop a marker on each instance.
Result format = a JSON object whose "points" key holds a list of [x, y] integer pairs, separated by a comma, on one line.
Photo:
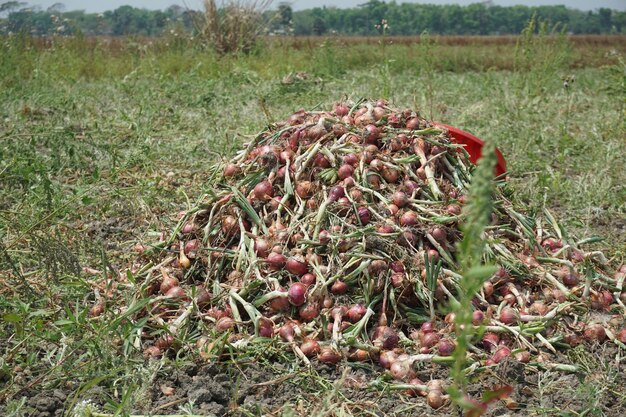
{"points": [[364, 20]]}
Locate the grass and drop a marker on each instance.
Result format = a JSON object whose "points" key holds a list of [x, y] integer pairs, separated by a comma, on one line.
{"points": [[102, 144]]}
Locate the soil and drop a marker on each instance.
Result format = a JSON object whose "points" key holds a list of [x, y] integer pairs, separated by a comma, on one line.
{"points": [[253, 388]]}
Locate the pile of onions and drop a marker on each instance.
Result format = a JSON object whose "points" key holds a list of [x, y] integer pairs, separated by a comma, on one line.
{"points": [[318, 233]]}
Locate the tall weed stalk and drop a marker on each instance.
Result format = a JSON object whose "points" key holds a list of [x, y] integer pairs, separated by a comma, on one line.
{"points": [[541, 53], [235, 26], [475, 272]]}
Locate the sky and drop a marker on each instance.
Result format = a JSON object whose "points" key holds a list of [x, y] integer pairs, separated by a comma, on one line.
{"points": [[100, 6]]}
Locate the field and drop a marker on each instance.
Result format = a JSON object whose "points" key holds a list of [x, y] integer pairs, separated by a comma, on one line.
{"points": [[104, 141]]}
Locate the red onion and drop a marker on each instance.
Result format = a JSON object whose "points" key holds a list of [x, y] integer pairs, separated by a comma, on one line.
{"points": [[400, 199], [310, 347], [385, 228], [378, 113], [488, 289], [429, 340], [433, 255], [373, 180], [168, 283], [595, 333], [356, 194], [446, 347], [427, 327], [203, 297], [261, 247], [277, 304], [309, 311], [392, 210], [304, 189], [502, 353], [377, 266], [339, 287], [435, 399], [385, 337], [189, 227], [570, 278], [339, 130], [308, 279], [286, 332], [523, 356], [402, 370], [341, 109], [297, 293], [397, 266], [364, 215], [297, 266], [477, 317], [321, 161], [286, 155], [376, 164], [350, 160], [413, 124], [411, 186], [276, 261], [387, 358], [358, 355], [324, 237], [491, 341], [316, 132], [231, 170], [328, 355], [192, 246], [415, 392], [509, 316], [230, 226], [263, 190], [408, 218], [621, 336], [453, 209], [266, 327], [224, 324], [176, 293], [408, 238], [439, 234], [345, 171], [390, 175], [336, 193], [356, 313]]}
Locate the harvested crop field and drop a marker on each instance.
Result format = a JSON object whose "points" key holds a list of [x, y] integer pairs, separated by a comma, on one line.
{"points": [[103, 144]]}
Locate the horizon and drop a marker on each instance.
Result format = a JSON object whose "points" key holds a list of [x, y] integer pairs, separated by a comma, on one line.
{"points": [[90, 7]]}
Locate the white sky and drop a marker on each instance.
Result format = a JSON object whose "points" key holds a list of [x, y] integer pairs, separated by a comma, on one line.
{"points": [[100, 6]]}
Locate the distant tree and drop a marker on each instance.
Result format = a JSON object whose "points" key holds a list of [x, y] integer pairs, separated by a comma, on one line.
{"points": [[10, 6], [56, 8], [285, 14]]}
